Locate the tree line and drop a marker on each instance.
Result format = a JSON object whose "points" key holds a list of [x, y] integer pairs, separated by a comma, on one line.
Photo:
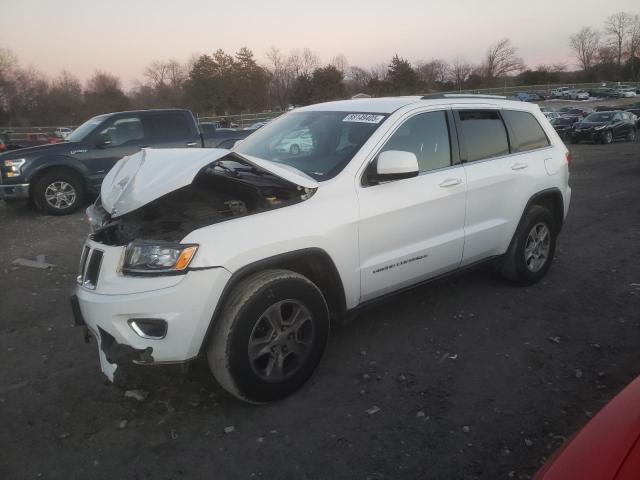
{"points": [[222, 84]]}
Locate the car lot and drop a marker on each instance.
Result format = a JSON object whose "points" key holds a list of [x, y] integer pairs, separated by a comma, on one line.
{"points": [[473, 378]]}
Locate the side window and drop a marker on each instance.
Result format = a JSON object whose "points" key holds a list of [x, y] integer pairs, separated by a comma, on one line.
{"points": [[427, 136], [170, 126], [526, 132], [123, 130], [483, 134], [617, 117]]}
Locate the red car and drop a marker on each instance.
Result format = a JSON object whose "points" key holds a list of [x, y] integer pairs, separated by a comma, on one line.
{"points": [[607, 448]]}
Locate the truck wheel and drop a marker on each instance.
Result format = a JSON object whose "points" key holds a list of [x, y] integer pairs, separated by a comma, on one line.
{"points": [[269, 337], [58, 193], [532, 248]]}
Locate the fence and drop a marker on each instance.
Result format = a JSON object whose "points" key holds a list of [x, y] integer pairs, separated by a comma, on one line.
{"points": [[241, 121]]}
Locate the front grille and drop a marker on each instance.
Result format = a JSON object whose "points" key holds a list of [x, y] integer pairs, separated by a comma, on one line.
{"points": [[89, 270]]}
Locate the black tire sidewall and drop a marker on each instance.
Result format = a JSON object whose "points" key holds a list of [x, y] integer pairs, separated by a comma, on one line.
{"points": [[49, 178], [607, 137], [248, 383], [534, 216]]}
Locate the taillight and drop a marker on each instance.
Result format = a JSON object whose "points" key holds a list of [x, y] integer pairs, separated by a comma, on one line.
{"points": [[569, 158]]}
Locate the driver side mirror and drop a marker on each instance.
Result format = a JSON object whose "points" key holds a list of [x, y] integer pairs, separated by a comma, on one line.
{"points": [[393, 165], [102, 141]]}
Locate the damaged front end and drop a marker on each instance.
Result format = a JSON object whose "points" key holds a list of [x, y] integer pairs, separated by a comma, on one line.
{"points": [[132, 286], [227, 188]]}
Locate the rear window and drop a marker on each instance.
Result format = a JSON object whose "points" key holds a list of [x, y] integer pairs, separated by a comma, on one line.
{"points": [[170, 126], [526, 132], [483, 133]]}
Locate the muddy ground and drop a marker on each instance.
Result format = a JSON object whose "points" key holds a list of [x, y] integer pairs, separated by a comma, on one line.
{"points": [[473, 378]]}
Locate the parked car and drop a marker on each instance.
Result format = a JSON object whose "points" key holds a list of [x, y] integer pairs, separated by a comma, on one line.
{"points": [[606, 448], [625, 92], [57, 177], [579, 95], [558, 92], [605, 127], [247, 256], [551, 115], [528, 97], [604, 92], [603, 108], [3, 147], [564, 110], [544, 109], [296, 142], [62, 132], [563, 125], [255, 126]]}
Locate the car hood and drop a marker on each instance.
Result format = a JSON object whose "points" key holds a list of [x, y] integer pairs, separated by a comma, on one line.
{"points": [[152, 173], [590, 124]]}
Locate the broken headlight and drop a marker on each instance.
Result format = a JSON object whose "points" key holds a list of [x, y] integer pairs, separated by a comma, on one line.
{"points": [[157, 257]]}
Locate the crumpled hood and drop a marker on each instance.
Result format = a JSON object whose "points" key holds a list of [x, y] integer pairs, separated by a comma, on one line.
{"points": [[151, 173]]}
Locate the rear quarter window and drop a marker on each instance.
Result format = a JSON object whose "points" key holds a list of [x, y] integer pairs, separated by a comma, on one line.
{"points": [[525, 131]]}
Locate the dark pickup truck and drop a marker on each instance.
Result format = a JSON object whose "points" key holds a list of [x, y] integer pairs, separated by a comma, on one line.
{"points": [[57, 177]]}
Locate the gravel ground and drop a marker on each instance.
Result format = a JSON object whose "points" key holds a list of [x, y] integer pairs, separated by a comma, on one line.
{"points": [[467, 378]]}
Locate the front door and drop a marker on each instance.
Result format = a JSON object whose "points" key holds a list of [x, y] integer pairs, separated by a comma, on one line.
{"points": [[413, 229]]}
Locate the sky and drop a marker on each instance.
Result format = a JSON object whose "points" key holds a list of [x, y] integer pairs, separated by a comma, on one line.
{"points": [[123, 36]]}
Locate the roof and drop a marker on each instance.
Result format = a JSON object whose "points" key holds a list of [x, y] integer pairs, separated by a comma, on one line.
{"points": [[391, 104]]}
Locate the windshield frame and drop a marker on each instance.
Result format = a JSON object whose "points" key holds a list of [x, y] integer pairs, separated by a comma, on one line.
{"points": [[271, 134]]}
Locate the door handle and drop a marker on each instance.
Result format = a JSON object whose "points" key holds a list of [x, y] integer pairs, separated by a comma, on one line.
{"points": [[192, 144], [519, 166], [450, 182]]}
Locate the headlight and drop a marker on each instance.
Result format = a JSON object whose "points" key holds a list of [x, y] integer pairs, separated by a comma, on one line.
{"points": [[13, 167], [157, 257]]}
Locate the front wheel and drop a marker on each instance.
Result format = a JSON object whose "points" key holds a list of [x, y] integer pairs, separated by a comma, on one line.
{"points": [[269, 337], [532, 248], [294, 149], [58, 193], [631, 136], [607, 138]]}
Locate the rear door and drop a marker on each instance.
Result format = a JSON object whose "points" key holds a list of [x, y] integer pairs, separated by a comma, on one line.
{"points": [[504, 163], [175, 129], [413, 229]]}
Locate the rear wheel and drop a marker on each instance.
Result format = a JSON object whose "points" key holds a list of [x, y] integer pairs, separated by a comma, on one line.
{"points": [[294, 149], [269, 337], [607, 138], [58, 193], [631, 136], [532, 248]]}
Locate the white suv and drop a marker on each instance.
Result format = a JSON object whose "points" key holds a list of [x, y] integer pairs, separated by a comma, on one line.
{"points": [[248, 255]]}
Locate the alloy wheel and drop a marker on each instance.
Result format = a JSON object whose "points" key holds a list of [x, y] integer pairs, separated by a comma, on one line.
{"points": [[537, 247], [60, 194]]}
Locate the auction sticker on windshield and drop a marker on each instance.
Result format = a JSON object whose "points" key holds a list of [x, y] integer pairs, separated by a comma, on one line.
{"points": [[363, 118]]}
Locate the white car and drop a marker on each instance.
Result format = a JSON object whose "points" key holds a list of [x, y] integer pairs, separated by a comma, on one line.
{"points": [[247, 256], [578, 95], [625, 92], [296, 142], [559, 92], [63, 132]]}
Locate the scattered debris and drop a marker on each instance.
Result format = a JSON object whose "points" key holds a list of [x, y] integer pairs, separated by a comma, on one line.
{"points": [[363, 352], [554, 339], [366, 376], [453, 357], [64, 435], [466, 429], [363, 392], [38, 263], [420, 414], [122, 424], [173, 434], [229, 429], [578, 373], [402, 378], [528, 443], [260, 439], [139, 395], [372, 410]]}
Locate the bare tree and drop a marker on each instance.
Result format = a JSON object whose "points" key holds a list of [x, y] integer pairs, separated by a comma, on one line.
{"points": [[633, 49], [502, 59], [584, 45], [279, 67], [434, 72], [340, 62], [460, 71], [619, 27]]}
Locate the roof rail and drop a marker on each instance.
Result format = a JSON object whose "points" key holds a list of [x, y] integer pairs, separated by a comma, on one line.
{"points": [[460, 95]]}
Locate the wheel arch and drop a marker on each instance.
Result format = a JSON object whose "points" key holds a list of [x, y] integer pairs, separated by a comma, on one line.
{"points": [[313, 263], [551, 199], [58, 164]]}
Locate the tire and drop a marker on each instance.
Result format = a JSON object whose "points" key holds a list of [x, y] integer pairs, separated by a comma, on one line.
{"points": [[59, 192], [248, 317], [519, 266], [631, 136], [294, 149], [607, 138]]}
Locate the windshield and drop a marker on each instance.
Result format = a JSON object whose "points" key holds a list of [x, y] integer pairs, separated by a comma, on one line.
{"points": [[319, 144], [599, 117], [80, 133]]}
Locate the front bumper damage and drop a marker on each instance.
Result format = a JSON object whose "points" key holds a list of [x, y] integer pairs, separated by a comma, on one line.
{"points": [[185, 302]]}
